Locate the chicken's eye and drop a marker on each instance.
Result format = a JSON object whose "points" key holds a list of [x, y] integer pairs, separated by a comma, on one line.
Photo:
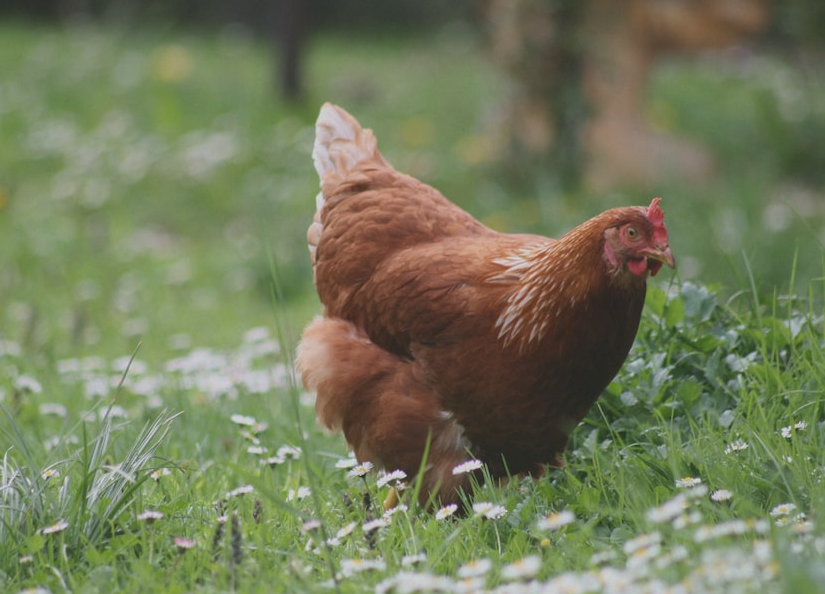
{"points": [[631, 233]]}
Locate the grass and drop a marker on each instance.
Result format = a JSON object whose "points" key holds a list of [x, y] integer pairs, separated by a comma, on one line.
{"points": [[153, 436]]}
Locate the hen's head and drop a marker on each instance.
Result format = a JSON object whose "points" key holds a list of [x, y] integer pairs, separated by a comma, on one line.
{"points": [[638, 242]]}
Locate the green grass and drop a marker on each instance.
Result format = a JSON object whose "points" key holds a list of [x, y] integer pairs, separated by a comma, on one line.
{"points": [[152, 189]]}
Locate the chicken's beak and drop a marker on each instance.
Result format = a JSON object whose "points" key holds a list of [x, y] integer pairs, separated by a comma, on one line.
{"points": [[662, 253]]}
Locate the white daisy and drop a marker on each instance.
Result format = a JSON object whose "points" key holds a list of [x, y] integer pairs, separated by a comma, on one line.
{"points": [[468, 466], [489, 510], [446, 511], [391, 477], [524, 568], [721, 495], [556, 520], [360, 469], [475, 568]]}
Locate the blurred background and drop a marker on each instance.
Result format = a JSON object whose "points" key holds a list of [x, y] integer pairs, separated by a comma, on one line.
{"points": [[155, 171]]}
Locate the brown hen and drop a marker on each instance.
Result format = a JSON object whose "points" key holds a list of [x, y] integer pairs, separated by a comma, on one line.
{"points": [[441, 335]]}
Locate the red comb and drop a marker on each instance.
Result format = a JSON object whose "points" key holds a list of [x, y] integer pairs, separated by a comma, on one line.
{"points": [[657, 216], [654, 213]]}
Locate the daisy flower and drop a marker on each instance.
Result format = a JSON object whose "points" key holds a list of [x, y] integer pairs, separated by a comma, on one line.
{"points": [[150, 515], [395, 476], [669, 510], [410, 560], [49, 473], [55, 528], [352, 566], [160, 472], [783, 509], [243, 420], [272, 461], [475, 568], [288, 451], [184, 544], [446, 511], [243, 490], [736, 446], [346, 463], [310, 525], [489, 510], [524, 568], [381, 522], [787, 432], [688, 482], [468, 466], [360, 469], [256, 450], [556, 520], [643, 541], [345, 531], [298, 494], [721, 495]]}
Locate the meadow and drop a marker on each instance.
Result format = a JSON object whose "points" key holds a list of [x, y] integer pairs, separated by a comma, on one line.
{"points": [[154, 198]]}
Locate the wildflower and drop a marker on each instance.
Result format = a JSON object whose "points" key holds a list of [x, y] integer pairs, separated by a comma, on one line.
{"points": [[446, 511], [524, 568], [410, 560], [55, 528], [310, 525], [345, 531], [395, 476], [353, 566], [26, 383], [243, 420], [150, 516], [643, 541], [298, 494], [243, 490], [669, 510], [688, 482], [489, 510], [783, 509], [184, 544], [556, 520], [52, 408], [787, 432], [736, 446], [49, 473], [288, 451], [468, 585], [360, 469], [346, 463], [256, 450], [686, 520], [272, 461], [468, 466], [26, 559], [156, 474], [721, 495], [381, 522], [259, 427], [475, 568], [394, 510]]}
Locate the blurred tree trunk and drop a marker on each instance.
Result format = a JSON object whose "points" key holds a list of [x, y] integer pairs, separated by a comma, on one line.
{"points": [[577, 73], [289, 32]]}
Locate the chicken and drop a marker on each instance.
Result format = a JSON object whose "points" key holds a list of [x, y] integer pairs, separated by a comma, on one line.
{"points": [[443, 338]]}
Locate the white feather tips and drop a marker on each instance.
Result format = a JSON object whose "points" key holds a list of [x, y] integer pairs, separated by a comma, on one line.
{"points": [[340, 142]]}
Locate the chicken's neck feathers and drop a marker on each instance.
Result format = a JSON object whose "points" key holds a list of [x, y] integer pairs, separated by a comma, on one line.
{"points": [[551, 281]]}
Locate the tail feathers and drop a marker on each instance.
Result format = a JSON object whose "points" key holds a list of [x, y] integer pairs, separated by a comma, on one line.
{"points": [[340, 142], [386, 413]]}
